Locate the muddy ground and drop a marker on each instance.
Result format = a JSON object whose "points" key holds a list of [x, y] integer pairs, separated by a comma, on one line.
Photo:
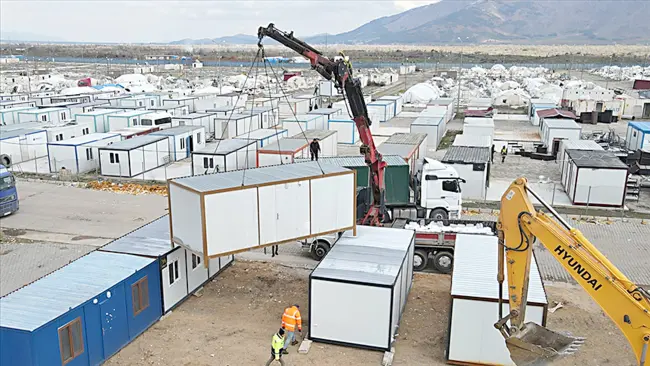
{"points": [[233, 321]]}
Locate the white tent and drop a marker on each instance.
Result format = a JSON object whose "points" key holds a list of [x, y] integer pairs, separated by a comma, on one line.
{"points": [[421, 93]]}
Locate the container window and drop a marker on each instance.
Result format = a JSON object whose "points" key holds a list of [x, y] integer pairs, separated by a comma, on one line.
{"points": [[89, 154], [182, 143], [196, 261], [173, 272], [140, 293], [71, 341], [198, 138], [205, 163]]}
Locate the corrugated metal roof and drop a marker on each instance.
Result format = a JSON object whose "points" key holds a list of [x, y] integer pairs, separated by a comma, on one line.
{"points": [[472, 140], [134, 143], [55, 294], [374, 256], [253, 177], [580, 145], [466, 155], [475, 271], [81, 140], [356, 161], [314, 134], [151, 240], [554, 113], [193, 115], [18, 132], [260, 134], [224, 147], [289, 144], [405, 151], [324, 111], [407, 138], [178, 130], [428, 120], [566, 124], [641, 126], [595, 159]]}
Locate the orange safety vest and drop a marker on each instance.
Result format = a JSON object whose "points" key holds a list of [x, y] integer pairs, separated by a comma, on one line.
{"points": [[291, 318]]}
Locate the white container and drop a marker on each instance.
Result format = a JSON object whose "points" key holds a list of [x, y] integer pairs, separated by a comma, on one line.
{"points": [[185, 100], [183, 140], [479, 127], [227, 213], [232, 99], [556, 130], [79, 154], [23, 144], [268, 117], [326, 88], [284, 151], [434, 127], [472, 141], [224, 111], [447, 104], [120, 120], [196, 119], [397, 100], [472, 164], [134, 156], [595, 178], [264, 136], [327, 113], [327, 139], [290, 106], [562, 158], [638, 135], [473, 340], [346, 130], [384, 110], [272, 102], [56, 131], [233, 125], [304, 122], [45, 115], [419, 140], [372, 270], [224, 156], [9, 116], [99, 118], [146, 101]]}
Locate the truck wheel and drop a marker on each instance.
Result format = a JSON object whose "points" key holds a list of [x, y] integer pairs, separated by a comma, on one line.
{"points": [[438, 214], [443, 262], [420, 260], [319, 250]]}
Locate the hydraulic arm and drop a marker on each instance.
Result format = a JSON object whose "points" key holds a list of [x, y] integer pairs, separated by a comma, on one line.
{"points": [[340, 71], [627, 304]]}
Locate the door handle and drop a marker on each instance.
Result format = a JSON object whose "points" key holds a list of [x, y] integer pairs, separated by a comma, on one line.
{"points": [[443, 197]]}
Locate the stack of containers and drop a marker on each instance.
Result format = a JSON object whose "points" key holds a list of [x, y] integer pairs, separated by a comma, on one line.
{"points": [[381, 110]]}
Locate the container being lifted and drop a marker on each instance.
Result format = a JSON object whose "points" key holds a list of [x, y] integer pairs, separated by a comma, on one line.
{"points": [[227, 213], [284, 151]]}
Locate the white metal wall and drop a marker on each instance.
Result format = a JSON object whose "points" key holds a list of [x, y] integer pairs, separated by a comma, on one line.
{"points": [[370, 315], [600, 187], [186, 219], [231, 230], [173, 293], [560, 133], [197, 274], [474, 187], [473, 338], [11, 147], [345, 129], [330, 208], [114, 169]]}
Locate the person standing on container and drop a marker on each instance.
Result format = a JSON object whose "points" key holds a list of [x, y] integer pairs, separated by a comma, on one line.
{"points": [[314, 149], [504, 153], [277, 344], [494, 149], [290, 321]]}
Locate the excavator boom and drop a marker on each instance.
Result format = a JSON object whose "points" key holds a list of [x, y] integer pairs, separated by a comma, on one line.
{"points": [[519, 227]]}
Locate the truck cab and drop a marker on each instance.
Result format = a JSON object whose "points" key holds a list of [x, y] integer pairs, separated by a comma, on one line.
{"points": [[440, 191], [8, 193]]}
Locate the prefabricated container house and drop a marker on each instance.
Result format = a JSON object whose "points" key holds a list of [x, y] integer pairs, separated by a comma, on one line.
{"points": [[42, 98], [396, 175], [232, 99], [173, 110], [472, 165], [62, 131], [556, 130], [327, 113], [233, 125], [434, 127], [553, 114], [303, 122], [268, 117], [447, 104], [595, 178], [398, 102], [284, 151], [183, 140], [224, 156], [372, 270], [45, 115], [6, 104], [420, 140], [311, 98], [95, 306], [79, 154], [231, 212], [196, 119], [158, 119], [479, 103], [74, 98], [131, 132], [272, 102], [538, 105], [98, 118], [131, 157], [473, 339], [264, 136], [118, 121], [346, 130], [290, 106], [409, 153], [381, 110], [326, 139], [85, 107], [181, 271], [479, 126], [140, 100], [562, 158], [188, 101], [638, 135], [224, 111], [23, 145], [9, 116]]}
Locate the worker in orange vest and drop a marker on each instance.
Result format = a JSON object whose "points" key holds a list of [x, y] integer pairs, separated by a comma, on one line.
{"points": [[290, 321]]}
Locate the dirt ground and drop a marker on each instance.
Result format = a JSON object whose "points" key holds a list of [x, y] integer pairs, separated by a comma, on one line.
{"points": [[233, 321]]}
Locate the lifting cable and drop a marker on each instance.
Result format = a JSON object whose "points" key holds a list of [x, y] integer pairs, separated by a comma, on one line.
{"points": [[248, 137]]}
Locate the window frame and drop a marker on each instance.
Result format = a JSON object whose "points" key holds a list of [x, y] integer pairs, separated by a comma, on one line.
{"points": [[142, 287], [68, 329]]}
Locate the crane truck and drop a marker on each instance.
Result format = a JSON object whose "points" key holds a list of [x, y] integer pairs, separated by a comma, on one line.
{"points": [[519, 226]]}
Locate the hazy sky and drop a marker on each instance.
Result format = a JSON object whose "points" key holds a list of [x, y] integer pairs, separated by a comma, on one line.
{"points": [[160, 21]]}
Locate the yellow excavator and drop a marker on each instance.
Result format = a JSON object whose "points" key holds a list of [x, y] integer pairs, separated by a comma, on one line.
{"points": [[519, 226]]}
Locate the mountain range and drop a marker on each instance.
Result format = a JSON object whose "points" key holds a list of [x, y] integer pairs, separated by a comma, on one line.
{"points": [[494, 21]]}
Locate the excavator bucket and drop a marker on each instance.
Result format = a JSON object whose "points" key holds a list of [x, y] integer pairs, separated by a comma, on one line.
{"points": [[534, 345]]}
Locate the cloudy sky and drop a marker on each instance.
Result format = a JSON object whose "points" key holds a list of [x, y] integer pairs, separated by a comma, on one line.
{"points": [[161, 21]]}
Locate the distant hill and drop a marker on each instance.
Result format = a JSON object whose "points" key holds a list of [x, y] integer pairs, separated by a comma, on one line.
{"points": [[495, 21], [8, 36]]}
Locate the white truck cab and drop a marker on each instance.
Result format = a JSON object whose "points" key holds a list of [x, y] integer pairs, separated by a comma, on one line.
{"points": [[440, 190]]}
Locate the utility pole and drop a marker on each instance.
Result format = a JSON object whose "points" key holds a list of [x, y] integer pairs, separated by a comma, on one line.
{"points": [[460, 72]]}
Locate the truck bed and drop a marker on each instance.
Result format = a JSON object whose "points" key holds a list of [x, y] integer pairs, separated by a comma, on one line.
{"points": [[441, 239]]}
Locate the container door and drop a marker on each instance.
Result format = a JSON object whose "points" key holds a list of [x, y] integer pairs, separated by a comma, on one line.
{"points": [[188, 146], [115, 329]]}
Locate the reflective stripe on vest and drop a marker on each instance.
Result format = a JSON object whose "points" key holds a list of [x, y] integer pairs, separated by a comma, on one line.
{"points": [[277, 343], [290, 318]]}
